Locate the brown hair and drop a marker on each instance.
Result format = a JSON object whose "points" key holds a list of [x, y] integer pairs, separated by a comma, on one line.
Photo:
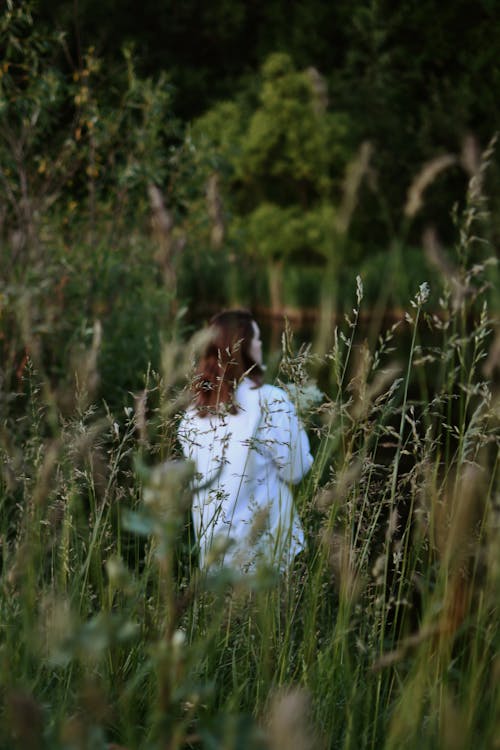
{"points": [[225, 360]]}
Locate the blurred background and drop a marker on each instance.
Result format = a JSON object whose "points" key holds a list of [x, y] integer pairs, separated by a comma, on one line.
{"points": [[161, 165]]}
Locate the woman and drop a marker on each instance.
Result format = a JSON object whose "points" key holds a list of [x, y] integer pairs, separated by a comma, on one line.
{"points": [[248, 447]]}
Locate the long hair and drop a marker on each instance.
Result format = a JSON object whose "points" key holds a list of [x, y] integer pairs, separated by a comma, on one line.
{"points": [[224, 361]]}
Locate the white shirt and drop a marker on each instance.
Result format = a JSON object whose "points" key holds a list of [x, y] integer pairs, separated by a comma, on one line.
{"points": [[245, 463]]}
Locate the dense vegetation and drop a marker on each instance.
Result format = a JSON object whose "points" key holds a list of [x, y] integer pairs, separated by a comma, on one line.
{"points": [[341, 166]]}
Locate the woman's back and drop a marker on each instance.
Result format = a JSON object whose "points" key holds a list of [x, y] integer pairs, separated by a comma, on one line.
{"points": [[244, 462]]}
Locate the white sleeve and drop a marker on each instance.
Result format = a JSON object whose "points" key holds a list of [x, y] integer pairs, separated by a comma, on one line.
{"points": [[284, 437]]}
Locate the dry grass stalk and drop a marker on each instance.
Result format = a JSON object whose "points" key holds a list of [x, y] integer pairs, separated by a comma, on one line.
{"points": [[405, 646], [454, 522], [215, 210], [320, 90], [169, 245], [140, 404], [476, 183], [457, 517], [86, 370], [437, 257], [356, 170], [359, 383], [426, 177], [470, 158], [48, 467], [342, 560], [334, 496]]}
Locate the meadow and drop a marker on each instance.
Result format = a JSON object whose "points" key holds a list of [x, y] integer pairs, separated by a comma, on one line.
{"points": [[386, 637], [120, 230]]}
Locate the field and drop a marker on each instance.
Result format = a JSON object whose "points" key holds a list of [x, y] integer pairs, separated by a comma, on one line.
{"points": [[387, 634], [121, 230]]}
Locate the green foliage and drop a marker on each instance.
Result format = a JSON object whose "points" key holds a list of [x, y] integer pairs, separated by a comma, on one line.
{"points": [[414, 79], [276, 233], [78, 153], [217, 137], [279, 164], [290, 136], [73, 138]]}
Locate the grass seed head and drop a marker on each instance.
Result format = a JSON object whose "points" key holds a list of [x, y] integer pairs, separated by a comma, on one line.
{"points": [[424, 178]]}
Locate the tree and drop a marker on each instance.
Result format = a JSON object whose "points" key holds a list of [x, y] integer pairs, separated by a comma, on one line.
{"points": [[282, 165], [76, 159]]}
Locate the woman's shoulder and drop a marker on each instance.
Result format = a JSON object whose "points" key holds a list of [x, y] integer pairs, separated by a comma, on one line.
{"points": [[273, 391], [273, 394], [252, 396], [259, 392]]}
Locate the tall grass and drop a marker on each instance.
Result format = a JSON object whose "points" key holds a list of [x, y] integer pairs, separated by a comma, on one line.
{"points": [[385, 636]]}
